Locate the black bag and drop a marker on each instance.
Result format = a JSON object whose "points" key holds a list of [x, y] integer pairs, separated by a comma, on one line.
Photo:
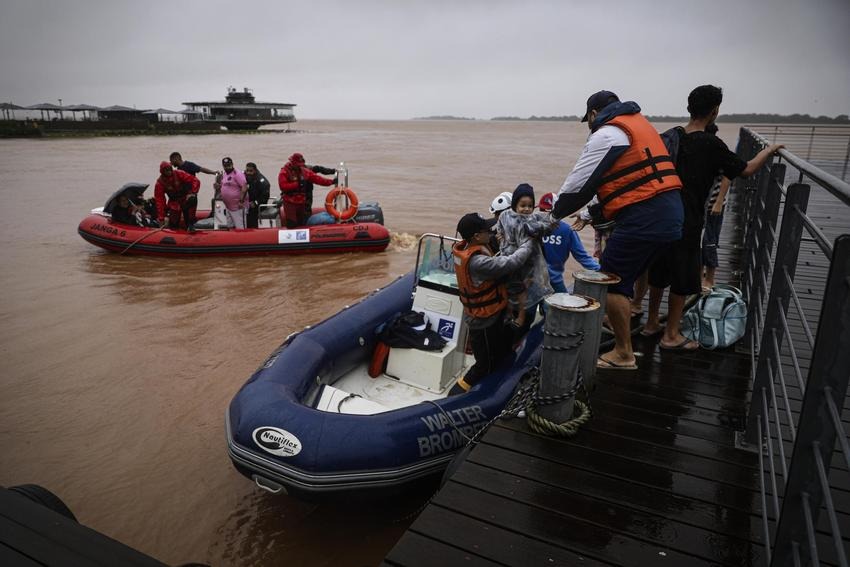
{"points": [[410, 330], [671, 139]]}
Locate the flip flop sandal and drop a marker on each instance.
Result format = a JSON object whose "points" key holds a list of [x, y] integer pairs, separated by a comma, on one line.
{"points": [[682, 346], [645, 333], [609, 365]]}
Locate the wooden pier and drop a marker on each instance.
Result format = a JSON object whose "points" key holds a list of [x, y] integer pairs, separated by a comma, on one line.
{"points": [[653, 479]]}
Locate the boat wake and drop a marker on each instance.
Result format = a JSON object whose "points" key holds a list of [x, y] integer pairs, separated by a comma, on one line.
{"points": [[402, 241]]}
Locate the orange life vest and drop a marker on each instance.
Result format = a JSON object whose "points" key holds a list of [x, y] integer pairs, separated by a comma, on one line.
{"points": [[642, 172], [479, 301]]}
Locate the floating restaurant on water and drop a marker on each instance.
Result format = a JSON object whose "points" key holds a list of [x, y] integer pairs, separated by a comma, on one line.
{"points": [[239, 111]]}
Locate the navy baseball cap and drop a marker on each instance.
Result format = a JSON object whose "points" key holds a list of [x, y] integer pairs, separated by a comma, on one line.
{"points": [[598, 101], [471, 224]]}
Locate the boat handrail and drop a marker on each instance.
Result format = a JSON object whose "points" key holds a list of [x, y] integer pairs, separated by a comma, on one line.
{"points": [[434, 234], [419, 251]]}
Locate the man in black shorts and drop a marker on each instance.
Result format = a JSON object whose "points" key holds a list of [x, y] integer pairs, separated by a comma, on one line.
{"points": [[627, 173], [700, 158]]}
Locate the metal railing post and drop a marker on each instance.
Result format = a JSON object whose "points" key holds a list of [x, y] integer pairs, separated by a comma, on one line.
{"points": [[746, 150], [828, 375], [760, 248], [811, 141], [787, 251], [752, 221]]}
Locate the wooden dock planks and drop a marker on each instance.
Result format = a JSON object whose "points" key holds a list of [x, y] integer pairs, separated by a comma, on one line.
{"points": [[653, 479]]}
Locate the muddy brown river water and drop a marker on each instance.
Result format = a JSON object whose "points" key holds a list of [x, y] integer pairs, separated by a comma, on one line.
{"points": [[116, 370]]}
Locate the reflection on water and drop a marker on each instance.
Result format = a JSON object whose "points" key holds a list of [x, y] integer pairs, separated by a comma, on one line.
{"points": [[118, 369]]}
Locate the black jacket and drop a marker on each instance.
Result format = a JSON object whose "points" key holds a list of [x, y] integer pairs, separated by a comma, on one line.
{"points": [[123, 215], [258, 190], [308, 186]]}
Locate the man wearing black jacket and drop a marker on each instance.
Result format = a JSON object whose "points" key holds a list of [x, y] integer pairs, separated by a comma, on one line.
{"points": [[308, 185], [258, 193]]}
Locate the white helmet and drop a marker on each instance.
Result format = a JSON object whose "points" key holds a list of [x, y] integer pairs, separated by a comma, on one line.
{"points": [[501, 203]]}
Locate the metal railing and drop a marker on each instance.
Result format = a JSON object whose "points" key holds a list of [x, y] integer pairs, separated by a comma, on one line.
{"points": [[800, 376], [824, 146]]}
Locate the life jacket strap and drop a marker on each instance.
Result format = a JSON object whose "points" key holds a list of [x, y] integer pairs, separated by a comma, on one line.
{"points": [[479, 293], [651, 161], [637, 183], [653, 164], [472, 305]]}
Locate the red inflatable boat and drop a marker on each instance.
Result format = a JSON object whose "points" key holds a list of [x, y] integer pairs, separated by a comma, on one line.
{"points": [[364, 233]]}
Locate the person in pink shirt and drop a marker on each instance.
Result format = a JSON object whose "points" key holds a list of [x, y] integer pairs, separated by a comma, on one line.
{"points": [[234, 193]]}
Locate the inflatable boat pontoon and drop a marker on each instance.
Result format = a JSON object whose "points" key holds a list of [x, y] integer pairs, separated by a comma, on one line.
{"points": [[364, 233], [311, 420]]}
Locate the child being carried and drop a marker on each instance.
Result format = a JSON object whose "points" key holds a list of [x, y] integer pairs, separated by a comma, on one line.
{"points": [[529, 284]]}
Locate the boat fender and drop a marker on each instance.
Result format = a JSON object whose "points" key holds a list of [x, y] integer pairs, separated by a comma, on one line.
{"points": [[330, 203], [379, 359]]}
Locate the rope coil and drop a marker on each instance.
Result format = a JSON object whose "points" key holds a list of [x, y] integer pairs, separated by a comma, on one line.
{"points": [[527, 398], [571, 347], [568, 335], [577, 344]]}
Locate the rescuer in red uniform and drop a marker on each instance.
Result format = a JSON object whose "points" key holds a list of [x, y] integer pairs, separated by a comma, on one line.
{"points": [[293, 180], [182, 190]]}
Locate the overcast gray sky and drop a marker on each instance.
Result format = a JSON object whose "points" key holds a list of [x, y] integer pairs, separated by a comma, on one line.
{"points": [[401, 59]]}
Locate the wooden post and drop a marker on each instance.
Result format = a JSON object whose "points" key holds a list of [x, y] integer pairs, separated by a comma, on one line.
{"points": [[563, 334], [592, 284]]}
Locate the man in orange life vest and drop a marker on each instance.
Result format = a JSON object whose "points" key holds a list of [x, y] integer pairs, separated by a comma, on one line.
{"points": [[182, 190], [627, 171], [483, 294]]}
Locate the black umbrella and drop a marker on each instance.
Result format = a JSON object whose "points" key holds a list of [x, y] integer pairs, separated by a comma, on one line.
{"points": [[133, 191]]}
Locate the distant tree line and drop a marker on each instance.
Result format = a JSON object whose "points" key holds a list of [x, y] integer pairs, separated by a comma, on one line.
{"points": [[734, 118], [443, 117], [570, 118], [765, 119]]}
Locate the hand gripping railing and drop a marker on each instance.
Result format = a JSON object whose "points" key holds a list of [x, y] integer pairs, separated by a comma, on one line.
{"points": [[793, 494]]}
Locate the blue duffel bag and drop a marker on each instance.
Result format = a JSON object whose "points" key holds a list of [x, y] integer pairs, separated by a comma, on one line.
{"points": [[717, 320]]}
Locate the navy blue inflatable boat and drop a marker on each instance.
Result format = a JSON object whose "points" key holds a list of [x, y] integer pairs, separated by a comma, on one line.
{"points": [[311, 420]]}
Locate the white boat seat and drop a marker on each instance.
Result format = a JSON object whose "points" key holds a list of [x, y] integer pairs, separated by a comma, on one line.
{"points": [[335, 400]]}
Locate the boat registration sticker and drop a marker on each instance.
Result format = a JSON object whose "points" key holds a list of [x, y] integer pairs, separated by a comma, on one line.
{"points": [[293, 236], [276, 441]]}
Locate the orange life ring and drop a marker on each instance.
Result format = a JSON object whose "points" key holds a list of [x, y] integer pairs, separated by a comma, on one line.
{"points": [[330, 203]]}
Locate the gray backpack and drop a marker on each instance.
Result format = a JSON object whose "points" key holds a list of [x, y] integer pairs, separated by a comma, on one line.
{"points": [[717, 320]]}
